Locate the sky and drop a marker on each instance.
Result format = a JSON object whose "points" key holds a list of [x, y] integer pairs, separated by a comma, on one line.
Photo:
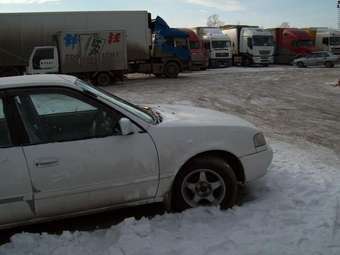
{"points": [[188, 13]]}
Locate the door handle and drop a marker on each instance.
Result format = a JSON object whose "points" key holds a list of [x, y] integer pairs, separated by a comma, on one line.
{"points": [[46, 162]]}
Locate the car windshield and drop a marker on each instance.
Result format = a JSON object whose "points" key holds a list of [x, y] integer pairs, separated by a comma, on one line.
{"points": [[144, 114], [263, 40], [304, 43], [220, 44], [335, 41]]}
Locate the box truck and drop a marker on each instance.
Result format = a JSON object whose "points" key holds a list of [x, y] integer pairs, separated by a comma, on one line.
{"points": [[250, 44], [199, 54], [217, 44], [291, 43], [152, 46], [325, 39]]}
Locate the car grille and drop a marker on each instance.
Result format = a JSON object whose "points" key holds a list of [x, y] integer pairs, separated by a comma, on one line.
{"points": [[222, 55], [264, 52]]}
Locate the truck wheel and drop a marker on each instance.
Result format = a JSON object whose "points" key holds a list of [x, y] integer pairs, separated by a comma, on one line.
{"points": [[103, 79], [329, 64], [171, 70]]}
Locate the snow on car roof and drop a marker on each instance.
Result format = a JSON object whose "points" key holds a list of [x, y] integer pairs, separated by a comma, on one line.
{"points": [[37, 80]]}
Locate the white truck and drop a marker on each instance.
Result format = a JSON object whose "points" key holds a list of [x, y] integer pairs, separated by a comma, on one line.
{"points": [[217, 44], [250, 44], [82, 53], [325, 39]]}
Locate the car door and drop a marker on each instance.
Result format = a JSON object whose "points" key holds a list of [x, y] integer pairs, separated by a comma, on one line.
{"points": [[78, 158], [16, 195]]}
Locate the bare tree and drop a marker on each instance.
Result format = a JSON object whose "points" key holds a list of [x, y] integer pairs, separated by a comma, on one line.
{"points": [[214, 21], [285, 25]]}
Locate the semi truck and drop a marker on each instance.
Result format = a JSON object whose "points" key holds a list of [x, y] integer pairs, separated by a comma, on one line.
{"points": [[250, 44], [199, 54], [291, 43], [152, 46], [325, 39], [217, 44]]}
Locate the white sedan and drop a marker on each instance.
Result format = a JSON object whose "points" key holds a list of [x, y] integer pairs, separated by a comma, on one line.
{"points": [[67, 148]]}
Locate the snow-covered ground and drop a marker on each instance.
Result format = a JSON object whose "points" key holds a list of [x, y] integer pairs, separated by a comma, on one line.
{"points": [[294, 209]]}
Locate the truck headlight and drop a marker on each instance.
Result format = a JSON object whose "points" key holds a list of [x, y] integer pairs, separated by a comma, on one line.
{"points": [[259, 140]]}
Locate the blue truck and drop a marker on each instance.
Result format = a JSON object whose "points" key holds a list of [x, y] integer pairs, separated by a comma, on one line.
{"points": [[151, 46]]}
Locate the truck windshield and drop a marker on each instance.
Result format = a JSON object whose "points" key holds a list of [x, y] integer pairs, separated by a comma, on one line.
{"points": [[260, 40], [304, 43], [335, 41], [194, 45], [133, 109], [220, 44]]}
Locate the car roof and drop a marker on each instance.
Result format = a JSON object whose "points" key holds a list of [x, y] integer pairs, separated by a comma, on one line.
{"points": [[37, 81]]}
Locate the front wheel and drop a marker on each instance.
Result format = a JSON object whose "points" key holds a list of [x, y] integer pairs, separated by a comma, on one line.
{"points": [[171, 70], [205, 182], [300, 64], [329, 64]]}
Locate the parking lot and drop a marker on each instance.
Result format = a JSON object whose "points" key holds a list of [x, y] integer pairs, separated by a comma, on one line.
{"points": [[296, 206], [287, 103]]}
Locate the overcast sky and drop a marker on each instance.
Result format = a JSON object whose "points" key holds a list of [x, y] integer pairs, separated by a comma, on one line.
{"points": [[181, 13]]}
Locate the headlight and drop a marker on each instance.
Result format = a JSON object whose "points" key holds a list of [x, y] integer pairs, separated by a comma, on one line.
{"points": [[259, 140]]}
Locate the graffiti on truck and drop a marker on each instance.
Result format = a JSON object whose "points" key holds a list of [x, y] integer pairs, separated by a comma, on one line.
{"points": [[71, 40]]}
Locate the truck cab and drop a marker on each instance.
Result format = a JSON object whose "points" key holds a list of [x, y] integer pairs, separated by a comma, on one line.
{"points": [[43, 60], [251, 45], [258, 44], [291, 43], [217, 44], [325, 39], [199, 54]]}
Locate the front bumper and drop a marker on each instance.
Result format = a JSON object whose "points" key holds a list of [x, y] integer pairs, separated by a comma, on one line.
{"points": [[256, 165], [263, 59]]}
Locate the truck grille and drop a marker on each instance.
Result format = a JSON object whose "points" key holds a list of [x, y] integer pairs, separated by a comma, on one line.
{"points": [[222, 55], [264, 52]]}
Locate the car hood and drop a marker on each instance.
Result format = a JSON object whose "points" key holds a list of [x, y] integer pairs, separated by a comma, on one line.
{"points": [[189, 115]]}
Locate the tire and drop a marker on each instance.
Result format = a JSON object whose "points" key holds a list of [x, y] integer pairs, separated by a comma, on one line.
{"points": [[103, 79], [300, 64], [191, 189], [329, 64], [171, 70]]}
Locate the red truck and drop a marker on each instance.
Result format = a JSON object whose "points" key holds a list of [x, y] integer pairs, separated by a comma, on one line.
{"points": [[199, 54], [290, 44]]}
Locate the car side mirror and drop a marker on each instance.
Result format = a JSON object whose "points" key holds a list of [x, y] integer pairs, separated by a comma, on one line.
{"points": [[126, 126]]}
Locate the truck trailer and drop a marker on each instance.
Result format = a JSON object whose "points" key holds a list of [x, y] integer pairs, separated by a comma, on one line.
{"points": [[217, 44], [251, 44], [291, 43], [152, 46], [325, 39]]}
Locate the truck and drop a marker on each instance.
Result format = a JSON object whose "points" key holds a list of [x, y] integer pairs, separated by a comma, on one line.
{"points": [[217, 44], [199, 54], [291, 43], [82, 53], [250, 44], [152, 46], [325, 39]]}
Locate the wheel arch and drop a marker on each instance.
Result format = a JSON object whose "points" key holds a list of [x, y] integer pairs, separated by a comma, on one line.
{"points": [[226, 156]]}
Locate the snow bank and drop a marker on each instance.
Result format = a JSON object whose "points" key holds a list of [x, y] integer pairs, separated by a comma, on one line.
{"points": [[295, 209]]}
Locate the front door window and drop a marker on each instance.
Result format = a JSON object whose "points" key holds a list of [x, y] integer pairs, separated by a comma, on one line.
{"points": [[56, 117]]}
